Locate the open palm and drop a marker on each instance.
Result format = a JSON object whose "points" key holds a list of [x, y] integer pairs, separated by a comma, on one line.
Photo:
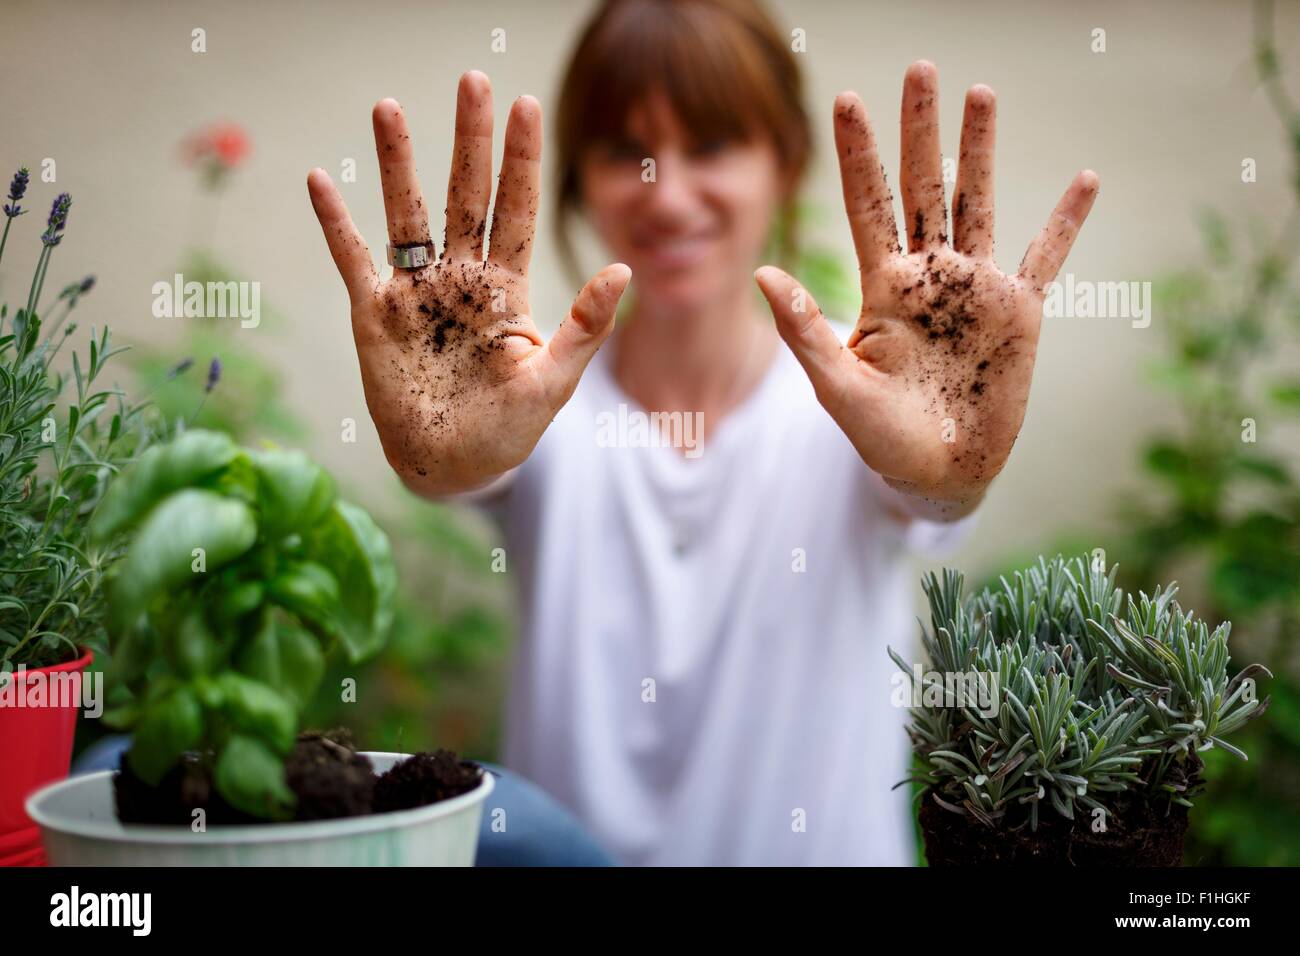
{"points": [[931, 387], [457, 379]]}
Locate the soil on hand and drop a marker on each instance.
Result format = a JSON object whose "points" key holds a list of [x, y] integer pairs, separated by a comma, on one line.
{"points": [[451, 326], [328, 777], [1138, 833]]}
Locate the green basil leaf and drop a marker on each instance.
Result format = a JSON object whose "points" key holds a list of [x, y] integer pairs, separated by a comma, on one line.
{"points": [[134, 650], [251, 778], [309, 590], [285, 658], [162, 469], [166, 729], [258, 710], [121, 718], [294, 492], [240, 599], [195, 650], [209, 692], [160, 559], [357, 553]]}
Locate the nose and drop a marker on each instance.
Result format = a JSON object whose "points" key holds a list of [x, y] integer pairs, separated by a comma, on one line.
{"points": [[672, 194]]}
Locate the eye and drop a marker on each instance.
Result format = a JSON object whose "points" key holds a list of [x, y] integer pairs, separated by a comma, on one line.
{"points": [[625, 150], [709, 147]]}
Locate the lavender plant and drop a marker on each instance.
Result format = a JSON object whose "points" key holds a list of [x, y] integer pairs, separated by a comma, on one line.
{"points": [[63, 435], [12, 209], [1096, 694]]}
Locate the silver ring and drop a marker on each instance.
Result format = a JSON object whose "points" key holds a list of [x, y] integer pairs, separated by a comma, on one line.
{"points": [[411, 257]]}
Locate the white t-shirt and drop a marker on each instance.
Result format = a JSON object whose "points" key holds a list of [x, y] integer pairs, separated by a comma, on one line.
{"points": [[701, 674]]}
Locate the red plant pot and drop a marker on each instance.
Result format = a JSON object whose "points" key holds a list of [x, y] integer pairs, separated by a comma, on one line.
{"points": [[35, 749]]}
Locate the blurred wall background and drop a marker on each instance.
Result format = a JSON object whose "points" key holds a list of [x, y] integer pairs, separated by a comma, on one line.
{"points": [[109, 89]]}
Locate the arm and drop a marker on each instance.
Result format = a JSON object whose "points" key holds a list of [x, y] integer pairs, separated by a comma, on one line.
{"points": [[905, 507], [490, 491]]}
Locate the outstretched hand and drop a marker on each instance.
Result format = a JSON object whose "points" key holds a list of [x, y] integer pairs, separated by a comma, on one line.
{"points": [[457, 379], [932, 385]]}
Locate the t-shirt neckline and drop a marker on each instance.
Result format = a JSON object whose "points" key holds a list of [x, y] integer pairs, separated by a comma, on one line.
{"points": [[720, 435]]}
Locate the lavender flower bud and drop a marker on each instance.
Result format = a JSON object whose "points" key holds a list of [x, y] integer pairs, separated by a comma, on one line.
{"points": [[16, 190], [76, 290], [214, 375], [58, 219], [180, 369]]}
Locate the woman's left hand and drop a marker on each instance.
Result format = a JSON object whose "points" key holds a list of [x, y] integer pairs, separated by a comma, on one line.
{"points": [[932, 386]]}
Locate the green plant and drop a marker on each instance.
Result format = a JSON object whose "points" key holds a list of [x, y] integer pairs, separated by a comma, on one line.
{"points": [[1222, 508], [439, 681], [63, 435], [242, 570], [1074, 693]]}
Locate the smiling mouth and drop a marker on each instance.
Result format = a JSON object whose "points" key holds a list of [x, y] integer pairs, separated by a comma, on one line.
{"points": [[675, 253]]}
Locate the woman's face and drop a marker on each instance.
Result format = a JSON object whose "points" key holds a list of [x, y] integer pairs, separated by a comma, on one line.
{"points": [[692, 226]]}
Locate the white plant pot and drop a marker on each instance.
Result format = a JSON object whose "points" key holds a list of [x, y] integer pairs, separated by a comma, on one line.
{"points": [[79, 826]]}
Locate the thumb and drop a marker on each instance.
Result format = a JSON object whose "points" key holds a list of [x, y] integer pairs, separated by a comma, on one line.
{"points": [[586, 326], [802, 325]]}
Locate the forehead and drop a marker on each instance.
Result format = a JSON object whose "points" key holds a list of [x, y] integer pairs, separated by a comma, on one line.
{"points": [[653, 118]]}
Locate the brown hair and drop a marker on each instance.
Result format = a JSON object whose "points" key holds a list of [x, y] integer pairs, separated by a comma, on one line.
{"points": [[723, 65]]}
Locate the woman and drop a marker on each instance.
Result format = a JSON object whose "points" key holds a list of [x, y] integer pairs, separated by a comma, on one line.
{"points": [[701, 675]]}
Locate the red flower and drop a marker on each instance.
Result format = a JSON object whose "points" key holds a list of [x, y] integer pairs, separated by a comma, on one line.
{"points": [[231, 144], [222, 144]]}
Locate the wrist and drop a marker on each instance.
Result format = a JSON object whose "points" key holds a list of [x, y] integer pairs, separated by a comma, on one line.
{"points": [[944, 504]]}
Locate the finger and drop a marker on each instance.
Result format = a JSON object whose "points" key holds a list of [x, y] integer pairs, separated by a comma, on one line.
{"points": [[514, 217], [867, 199], [924, 212], [803, 327], [972, 206], [470, 186], [408, 219], [587, 325], [1047, 253], [349, 250]]}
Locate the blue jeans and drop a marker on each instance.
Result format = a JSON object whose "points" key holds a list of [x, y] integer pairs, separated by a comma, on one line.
{"points": [[539, 831]]}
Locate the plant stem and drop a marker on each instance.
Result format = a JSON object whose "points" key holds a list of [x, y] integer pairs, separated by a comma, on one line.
{"points": [[34, 293], [49, 336], [45, 267]]}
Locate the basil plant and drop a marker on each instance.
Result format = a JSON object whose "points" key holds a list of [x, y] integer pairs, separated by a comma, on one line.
{"points": [[241, 571]]}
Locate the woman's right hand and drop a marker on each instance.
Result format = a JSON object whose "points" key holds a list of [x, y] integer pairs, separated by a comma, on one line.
{"points": [[458, 381]]}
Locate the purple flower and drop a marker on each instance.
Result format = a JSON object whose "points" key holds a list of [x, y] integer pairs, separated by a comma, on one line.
{"points": [[16, 190], [58, 219], [76, 290], [214, 375], [181, 368]]}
